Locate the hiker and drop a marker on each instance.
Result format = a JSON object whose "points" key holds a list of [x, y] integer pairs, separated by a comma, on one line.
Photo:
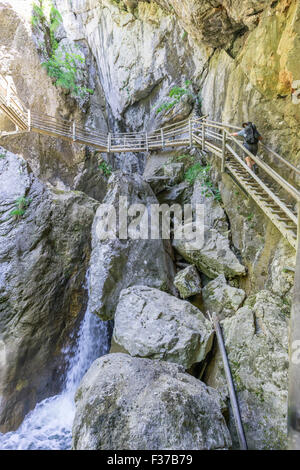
{"points": [[251, 139]]}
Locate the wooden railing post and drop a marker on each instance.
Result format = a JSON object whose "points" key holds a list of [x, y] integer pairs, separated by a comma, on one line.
{"points": [[147, 143], [8, 95], [223, 150], [29, 120], [162, 138], [74, 131], [203, 134], [109, 142], [191, 132]]}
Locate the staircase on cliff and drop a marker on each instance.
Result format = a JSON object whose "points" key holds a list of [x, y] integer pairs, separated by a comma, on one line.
{"points": [[275, 196]]}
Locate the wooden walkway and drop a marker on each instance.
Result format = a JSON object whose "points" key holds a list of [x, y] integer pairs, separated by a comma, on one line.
{"points": [[277, 198]]}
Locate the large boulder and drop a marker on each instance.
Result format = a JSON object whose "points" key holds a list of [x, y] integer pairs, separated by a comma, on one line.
{"points": [[215, 256], [44, 256], [188, 282], [256, 340], [221, 298], [120, 263], [138, 404], [166, 176], [151, 323]]}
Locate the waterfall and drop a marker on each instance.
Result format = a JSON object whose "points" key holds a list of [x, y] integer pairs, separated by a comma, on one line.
{"points": [[49, 425]]}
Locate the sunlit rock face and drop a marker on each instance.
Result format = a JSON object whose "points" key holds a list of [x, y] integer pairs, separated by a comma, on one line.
{"points": [[151, 323], [242, 57], [52, 159], [216, 22]]}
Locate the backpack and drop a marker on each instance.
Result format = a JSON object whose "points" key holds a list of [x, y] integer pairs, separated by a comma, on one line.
{"points": [[251, 134]]}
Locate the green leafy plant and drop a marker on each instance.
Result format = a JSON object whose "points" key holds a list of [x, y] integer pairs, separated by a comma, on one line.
{"points": [[61, 65], [47, 23], [105, 168], [22, 204], [176, 93], [217, 195], [2, 155], [63, 68], [288, 270], [193, 173], [184, 35], [201, 173]]}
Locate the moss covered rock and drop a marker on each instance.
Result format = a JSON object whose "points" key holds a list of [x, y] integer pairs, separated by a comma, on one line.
{"points": [[188, 282]]}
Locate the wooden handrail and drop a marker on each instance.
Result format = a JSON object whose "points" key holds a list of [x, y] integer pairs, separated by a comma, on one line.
{"points": [[283, 160], [272, 173], [208, 134], [221, 125], [262, 184]]}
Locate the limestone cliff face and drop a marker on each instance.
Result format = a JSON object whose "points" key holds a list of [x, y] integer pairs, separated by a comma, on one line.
{"points": [[140, 54], [242, 57], [54, 161]]}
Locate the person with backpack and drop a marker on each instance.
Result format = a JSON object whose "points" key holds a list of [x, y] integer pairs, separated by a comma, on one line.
{"points": [[251, 139]]}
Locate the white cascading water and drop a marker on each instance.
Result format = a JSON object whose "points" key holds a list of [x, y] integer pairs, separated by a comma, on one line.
{"points": [[49, 425]]}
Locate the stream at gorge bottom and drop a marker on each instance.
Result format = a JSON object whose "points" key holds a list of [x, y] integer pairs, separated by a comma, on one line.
{"points": [[49, 425]]}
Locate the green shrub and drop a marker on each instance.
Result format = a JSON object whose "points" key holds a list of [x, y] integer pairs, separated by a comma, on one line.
{"points": [[21, 205], [105, 168], [201, 173], [176, 93], [2, 155], [60, 65], [193, 173]]}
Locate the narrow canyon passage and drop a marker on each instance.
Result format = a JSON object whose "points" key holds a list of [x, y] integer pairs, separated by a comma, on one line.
{"points": [[137, 108]]}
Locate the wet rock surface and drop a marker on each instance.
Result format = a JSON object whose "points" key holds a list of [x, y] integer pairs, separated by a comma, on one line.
{"points": [[44, 255]]}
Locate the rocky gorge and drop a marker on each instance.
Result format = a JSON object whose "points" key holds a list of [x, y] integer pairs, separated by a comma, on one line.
{"points": [[108, 343]]}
